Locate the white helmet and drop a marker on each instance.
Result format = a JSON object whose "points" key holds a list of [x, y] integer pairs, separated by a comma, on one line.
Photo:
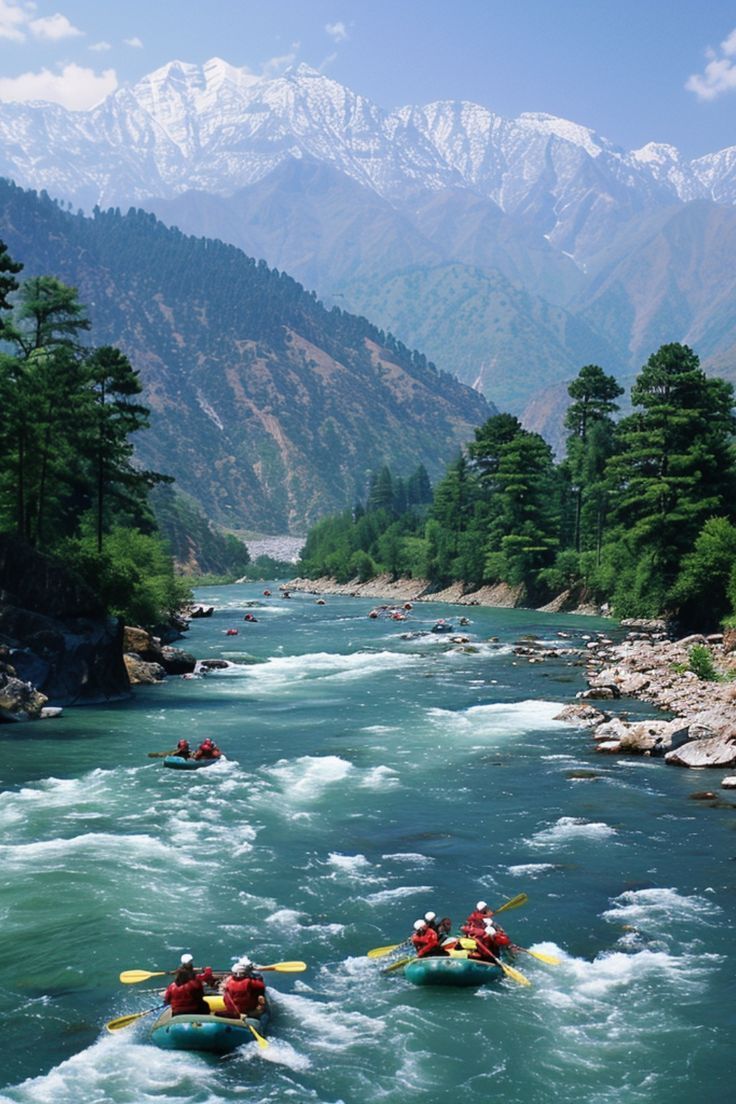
{"points": [[242, 965], [480, 906], [430, 916], [419, 924], [186, 959]]}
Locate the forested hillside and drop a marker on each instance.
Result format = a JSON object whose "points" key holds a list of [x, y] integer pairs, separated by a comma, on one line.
{"points": [[267, 408], [640, 514]]}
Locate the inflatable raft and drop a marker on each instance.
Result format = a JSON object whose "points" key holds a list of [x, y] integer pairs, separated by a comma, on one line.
{"points": [[177, 763], [455, 969], [212, 1034]]}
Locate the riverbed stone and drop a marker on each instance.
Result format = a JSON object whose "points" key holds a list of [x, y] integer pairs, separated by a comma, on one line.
{"points": [[718, 751]]}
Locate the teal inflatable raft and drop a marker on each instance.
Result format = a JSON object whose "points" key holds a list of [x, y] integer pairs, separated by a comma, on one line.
{"points": [[177, 763], [212, 1034], [451, 971]]}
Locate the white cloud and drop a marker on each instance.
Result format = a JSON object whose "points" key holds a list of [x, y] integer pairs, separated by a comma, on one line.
{"points": [[73, 86], [338, 31], [135, 42], [719, 75], [100, 47], [12, 19], [53, 27], [276, 65]]}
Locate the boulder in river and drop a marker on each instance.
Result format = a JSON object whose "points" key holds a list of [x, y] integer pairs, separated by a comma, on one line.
{"points": [[19, 701], [718, 751]]}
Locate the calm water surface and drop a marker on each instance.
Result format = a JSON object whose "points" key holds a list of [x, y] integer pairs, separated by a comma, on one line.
{"points": [[369, 778]]}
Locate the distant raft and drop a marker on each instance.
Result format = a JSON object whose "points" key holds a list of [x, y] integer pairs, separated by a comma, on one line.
{"points": [[177, 763], [453, 970]]}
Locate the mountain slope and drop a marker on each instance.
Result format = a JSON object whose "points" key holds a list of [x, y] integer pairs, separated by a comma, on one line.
{"points": [[490, 333], [268, 409]]}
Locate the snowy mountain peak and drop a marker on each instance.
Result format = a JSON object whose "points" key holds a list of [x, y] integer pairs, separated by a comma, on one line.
{"points": [[574, 133], [218, 128], [656, 153]]}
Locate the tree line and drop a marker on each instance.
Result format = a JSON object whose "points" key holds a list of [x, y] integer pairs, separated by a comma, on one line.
{"points": [[640, 513], [68, 484]]}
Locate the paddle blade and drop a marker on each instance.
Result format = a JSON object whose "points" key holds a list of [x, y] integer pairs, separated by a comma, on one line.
{"points": [[515, 975], [379, 952], [160, 754], [263, 1043], [126, 1021], [519, 899], [132, 977], [285, 967], [551, 960]]}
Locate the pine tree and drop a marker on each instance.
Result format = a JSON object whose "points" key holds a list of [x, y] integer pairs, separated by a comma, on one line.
{"points": [[674, 469], [589, 417]]}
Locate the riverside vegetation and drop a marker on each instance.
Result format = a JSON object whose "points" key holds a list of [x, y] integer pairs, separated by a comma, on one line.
{"points": [[638, 515]]}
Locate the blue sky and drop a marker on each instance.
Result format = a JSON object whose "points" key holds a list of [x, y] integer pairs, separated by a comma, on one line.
{"points": [[634, 70]]}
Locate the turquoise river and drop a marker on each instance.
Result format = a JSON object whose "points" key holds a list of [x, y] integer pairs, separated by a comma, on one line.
{"points": [[369, 778]]}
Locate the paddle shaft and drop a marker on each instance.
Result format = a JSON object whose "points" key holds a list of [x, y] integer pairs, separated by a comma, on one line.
{"points": [[126, 1021]]}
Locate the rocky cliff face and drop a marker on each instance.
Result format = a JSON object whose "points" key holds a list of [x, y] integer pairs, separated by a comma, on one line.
{"points": [[57, 636]]}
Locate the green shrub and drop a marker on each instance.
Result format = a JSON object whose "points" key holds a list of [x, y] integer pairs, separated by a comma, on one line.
{"points": [[701, 663]]}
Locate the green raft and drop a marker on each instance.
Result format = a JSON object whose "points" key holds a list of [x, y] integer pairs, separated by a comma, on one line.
{"points": [[453, 970]]}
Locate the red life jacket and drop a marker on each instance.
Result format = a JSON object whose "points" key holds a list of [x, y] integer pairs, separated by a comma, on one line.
{"points": [[186, 999], [425, 941], [241, 994]]}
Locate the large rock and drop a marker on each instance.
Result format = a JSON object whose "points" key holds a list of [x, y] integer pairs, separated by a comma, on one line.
{"points": [[578, 714], [19, 701], [718, 751], [175, 661], [142, 673]]}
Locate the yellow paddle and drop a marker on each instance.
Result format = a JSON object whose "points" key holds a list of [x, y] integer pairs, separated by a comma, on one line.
{"points": [[519, 899], [132, 977], [263, 1043], [551, 960], [515, 975], [126, 1021], [397, 965], [379, 952]]}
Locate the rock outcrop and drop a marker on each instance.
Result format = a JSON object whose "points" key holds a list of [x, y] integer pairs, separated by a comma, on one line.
{"points": [[58, 635], [653, 668]]}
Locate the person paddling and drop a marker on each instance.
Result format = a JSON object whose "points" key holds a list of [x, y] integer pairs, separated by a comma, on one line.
{"points": [[185, 995], [476, 921], [183, 750], [207, 750], [426, 941], [243, 991]]}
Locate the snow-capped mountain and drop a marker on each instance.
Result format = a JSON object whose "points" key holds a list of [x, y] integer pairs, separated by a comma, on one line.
{"points": [[488, 242], [215, 128]]}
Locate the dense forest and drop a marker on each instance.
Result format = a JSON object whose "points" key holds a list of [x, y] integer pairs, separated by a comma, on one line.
{"points": [[640, 514], [68, 484]]}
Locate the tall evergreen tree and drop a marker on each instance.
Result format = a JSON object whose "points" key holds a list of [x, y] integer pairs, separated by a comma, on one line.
{"points": [[674, 469], [589, 418]]}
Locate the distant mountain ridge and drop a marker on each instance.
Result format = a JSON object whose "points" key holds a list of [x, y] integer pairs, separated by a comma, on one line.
{"points": [[217, 128], [511, 251], [269, 410]]}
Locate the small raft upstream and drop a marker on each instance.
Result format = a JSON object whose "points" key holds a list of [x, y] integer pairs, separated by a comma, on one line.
{"points": [[177, 763]]}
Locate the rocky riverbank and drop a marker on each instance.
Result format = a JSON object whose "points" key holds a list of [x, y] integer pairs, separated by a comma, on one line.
{"points": [[420, 590], [651, 667]]}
